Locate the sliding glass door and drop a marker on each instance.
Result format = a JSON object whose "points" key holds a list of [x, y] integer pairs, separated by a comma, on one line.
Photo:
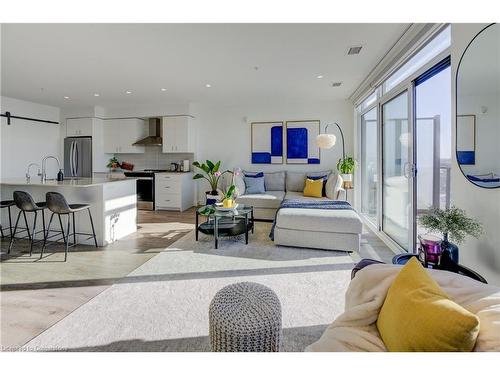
{"points": [[433, 139], [369, 161], [396, 152]]}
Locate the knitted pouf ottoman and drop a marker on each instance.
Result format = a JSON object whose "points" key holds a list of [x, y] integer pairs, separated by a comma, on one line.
{"points": [[245, 317]]}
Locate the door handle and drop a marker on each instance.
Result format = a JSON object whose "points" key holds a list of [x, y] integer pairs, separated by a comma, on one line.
{"points": [[76, 158], [72, 158], [409, 170]]}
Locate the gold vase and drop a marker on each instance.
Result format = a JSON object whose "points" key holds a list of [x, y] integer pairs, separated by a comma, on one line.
{"points": [[227, 203]]}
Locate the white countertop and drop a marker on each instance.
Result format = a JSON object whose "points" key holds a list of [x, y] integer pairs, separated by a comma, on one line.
{"points": [[169, 172], [76, 182]]}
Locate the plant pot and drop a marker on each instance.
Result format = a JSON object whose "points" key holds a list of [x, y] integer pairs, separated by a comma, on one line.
{"points": [[212, 198], [451, 249], [227, 203], [347, 177]]}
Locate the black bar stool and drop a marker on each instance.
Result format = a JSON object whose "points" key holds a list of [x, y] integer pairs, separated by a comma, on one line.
{"points": [[25, 203], [8, 205], [59, 206]]}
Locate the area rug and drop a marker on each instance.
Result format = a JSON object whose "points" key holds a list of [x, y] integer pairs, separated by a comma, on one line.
{"points": [[163, 304]]}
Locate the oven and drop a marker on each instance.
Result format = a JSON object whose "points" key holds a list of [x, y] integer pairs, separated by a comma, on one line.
{"points": [[145, 189]]}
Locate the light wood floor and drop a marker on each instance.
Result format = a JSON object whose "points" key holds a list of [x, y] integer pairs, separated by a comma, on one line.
{"points": [[35, 294]]}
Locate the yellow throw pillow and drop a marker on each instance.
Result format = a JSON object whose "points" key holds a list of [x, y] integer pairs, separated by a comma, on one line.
{"points": [[418, 316], [313, 188]]}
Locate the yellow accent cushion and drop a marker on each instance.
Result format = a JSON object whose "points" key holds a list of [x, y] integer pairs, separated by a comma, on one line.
{"points": [[417, 315], [313, 188]]}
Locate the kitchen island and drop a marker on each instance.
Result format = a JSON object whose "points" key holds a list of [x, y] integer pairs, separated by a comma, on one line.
{"points": [[113, 204]]}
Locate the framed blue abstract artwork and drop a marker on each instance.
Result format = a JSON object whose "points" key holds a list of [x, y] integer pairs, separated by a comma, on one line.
{"points": [[267, 142], [301, 147]]}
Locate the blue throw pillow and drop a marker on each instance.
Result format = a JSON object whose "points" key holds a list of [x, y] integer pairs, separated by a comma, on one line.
{"points": [[254, 175], [324, 178], [254, 185]]}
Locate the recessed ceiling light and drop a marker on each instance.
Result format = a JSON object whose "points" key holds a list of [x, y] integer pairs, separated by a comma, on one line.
{"points": [[66, 97], [208, 85], [163, 89], [354, 50], [96, 94], [128, 92], [336, 84], [319, 76]]}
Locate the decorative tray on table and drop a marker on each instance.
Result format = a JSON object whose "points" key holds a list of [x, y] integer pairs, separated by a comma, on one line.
{"points": [[221, 208]]}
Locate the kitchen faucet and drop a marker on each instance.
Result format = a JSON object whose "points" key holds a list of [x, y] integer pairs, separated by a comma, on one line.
{"points": [[44, 166], [28, 176]]}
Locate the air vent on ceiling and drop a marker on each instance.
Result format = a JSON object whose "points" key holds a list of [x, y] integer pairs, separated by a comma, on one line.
{"points": [[336, 84], [354, 50]]}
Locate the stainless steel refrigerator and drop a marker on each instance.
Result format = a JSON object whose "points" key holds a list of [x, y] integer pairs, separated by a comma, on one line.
{"points": [[78, 157]]}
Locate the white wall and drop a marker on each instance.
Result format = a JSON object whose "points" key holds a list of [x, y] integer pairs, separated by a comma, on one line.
{"points": [[224, 132], [487, 131], [25, 142], [482, 255]]}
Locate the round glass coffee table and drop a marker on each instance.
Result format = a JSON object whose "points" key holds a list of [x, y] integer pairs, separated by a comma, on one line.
{"points": [[225, 223]]}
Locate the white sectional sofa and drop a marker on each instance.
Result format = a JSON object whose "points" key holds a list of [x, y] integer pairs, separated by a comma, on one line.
{"points": [[303, 227]]}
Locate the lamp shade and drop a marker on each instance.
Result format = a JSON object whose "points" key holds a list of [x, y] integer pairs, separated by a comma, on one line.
{"points": [[326, 140]]}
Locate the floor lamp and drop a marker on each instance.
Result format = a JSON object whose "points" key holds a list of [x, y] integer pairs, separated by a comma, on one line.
{"points": [[327, 141]]}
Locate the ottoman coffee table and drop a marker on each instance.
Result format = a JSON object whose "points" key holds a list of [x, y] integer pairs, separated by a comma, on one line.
{"points": [[225, 223]]}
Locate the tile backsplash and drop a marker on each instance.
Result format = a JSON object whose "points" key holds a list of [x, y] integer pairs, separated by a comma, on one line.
{"points": [[154, 158]]}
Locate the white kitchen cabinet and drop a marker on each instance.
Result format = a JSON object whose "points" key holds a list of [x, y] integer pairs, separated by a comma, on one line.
{"points": [[120, 134], [79, 127], [178, 134], [174, 191]]}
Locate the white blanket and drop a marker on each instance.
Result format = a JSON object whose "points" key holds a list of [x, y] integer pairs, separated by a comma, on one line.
{"points": [[355, 329]]}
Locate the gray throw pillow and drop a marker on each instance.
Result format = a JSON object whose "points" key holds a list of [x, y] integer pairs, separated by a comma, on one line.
{"points": [[275, 181], [254, 185], [295, 181]]}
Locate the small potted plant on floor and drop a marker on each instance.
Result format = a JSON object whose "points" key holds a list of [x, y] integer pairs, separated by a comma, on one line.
{"points": [[345, 167], [210, 172], [452, 224]]}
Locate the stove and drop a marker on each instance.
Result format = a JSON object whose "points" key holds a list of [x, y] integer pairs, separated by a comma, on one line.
{"points": [[145, 189]]}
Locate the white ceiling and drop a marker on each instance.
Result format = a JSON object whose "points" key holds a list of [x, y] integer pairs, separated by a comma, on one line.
{"points": [[45, 62]]}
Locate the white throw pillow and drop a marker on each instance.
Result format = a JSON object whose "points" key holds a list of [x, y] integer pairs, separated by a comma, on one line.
{"points": [[239, 183], [333, 186]]}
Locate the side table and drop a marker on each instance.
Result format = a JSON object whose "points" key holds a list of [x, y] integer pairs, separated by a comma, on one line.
{"points": [[458, 268], [224, 223]]}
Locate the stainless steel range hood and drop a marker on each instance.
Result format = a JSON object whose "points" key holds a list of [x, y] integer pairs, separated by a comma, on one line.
{"points": [[154, 138]]}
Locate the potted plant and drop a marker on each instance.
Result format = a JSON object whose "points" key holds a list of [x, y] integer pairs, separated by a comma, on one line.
{"points": [[228, 201], [113, 163], [210, 172], [345, 167], [453, 224]]}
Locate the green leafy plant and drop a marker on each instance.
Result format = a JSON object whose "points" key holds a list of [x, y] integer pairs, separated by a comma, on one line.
{"points": [[452, 222], [346, 165], [113, 163], [229, 193], [210, 172]]}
